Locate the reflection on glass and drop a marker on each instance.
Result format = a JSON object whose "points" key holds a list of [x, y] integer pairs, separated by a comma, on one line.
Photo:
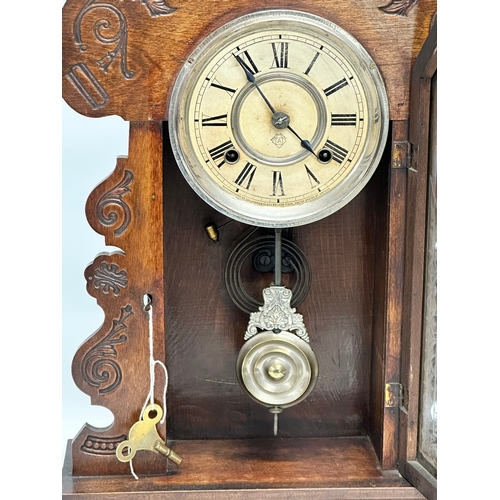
{"points": [[427, 443]]}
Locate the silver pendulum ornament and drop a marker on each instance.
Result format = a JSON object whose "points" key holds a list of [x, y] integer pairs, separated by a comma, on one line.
{"points": [[276, 366]]}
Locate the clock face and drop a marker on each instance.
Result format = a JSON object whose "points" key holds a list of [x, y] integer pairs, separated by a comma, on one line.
{"points": [[278, 118]]}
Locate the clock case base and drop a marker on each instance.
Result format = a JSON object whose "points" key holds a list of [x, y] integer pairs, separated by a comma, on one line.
{"points": [[319, 468]]}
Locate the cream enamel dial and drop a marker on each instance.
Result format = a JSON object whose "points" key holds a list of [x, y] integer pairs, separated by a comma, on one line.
{"points": [[278, 118]]}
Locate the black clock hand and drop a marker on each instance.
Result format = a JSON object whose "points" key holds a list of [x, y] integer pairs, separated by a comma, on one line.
{"points": [[280, 120], [251, 79], [303, 142]]}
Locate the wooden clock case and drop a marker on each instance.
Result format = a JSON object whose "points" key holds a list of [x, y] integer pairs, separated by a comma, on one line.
{"points": [[356, 434]]}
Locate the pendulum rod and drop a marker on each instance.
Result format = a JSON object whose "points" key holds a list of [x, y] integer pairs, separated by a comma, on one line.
{"points": [[277, 282], [276, 410], [277, 256]]}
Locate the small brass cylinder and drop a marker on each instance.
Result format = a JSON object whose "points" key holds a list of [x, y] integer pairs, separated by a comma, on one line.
{"points": [[212, 232], [168, 452]]}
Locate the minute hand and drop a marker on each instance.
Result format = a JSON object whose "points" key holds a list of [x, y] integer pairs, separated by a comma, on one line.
{"points": [[251, 79]]}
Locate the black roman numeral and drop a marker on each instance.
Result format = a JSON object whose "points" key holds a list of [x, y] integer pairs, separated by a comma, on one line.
{"points": [[217, 85], [336, 86], [253, 69], [344, 119], [312, 63], [277, 183], [280, 52], [215, 121], [338, 152], [246, 175], [312, 178], [219, 151]]}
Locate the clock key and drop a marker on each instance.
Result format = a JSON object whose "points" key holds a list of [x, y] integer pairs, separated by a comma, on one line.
{"points": [[143, 435]]}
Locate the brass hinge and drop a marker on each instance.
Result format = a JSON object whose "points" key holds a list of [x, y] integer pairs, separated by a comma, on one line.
{"points": [[395, 395], [403, 155]]}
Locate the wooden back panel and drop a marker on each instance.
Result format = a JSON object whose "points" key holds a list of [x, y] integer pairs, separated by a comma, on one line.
{"points": [[204, 329]]}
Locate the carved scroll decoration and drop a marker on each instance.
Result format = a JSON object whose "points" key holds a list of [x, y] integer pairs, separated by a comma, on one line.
{"points": [[100, 26], [99, 368], [115, 197], [96, 445], [276, 314], [108, 277], [106, 32], [398, 7]]}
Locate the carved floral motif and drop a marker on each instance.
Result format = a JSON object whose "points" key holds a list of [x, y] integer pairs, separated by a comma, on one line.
{"points": [[109, 278], [157, 7], [99, 366], [110, 29], [398, 7]]}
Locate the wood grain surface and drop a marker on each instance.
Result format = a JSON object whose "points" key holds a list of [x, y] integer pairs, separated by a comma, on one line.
{"points": [[121, 58], [326, 468], [388, 306]]}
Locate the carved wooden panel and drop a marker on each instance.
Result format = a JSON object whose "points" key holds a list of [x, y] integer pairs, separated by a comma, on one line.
{"points": [[122, 56], [112, 366]]}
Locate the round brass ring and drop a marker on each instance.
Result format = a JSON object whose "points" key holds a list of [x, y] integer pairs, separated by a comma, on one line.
{"points": [[291, 356]]}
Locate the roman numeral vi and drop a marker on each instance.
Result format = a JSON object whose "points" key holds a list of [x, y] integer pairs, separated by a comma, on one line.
{"points": [[277, 183]]}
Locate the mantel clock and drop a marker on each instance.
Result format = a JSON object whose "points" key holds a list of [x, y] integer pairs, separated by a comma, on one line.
{"points": [[264, 226]]}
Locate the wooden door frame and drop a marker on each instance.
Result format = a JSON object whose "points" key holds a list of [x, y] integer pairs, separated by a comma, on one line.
{"points": [[423, 71]]}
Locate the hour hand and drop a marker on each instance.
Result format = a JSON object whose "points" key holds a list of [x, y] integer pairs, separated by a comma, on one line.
{"points": [[303, 142]]}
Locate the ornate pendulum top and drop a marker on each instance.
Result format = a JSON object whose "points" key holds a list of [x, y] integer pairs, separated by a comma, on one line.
{"points": [[276, 314]]}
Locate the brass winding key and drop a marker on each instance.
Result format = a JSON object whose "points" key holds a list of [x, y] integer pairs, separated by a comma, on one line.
{"points": [[144, 436]]}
